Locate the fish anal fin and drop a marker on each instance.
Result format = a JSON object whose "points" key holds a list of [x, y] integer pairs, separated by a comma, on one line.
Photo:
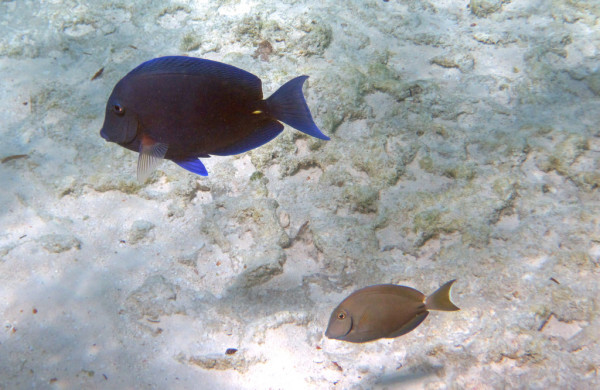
{"points": [[265, 133], [440, 299], [151, 155], [409, 326], [193, 165]]}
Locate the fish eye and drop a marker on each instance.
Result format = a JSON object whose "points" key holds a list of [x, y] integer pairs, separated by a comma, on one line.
{"points": [[341, 315], [119, 110]]}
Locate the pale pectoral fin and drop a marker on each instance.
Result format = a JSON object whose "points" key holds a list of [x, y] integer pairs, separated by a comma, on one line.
{"points": [[151, 154]]}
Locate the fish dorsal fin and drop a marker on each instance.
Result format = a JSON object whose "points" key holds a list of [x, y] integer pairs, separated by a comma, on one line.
{"points": [[151, 154], [233, 76], [440, 299], [261, 136], [391, 289]]}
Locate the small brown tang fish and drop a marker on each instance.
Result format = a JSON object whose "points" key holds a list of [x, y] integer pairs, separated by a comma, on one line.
{"points": [[184, 108], [384, 311]]}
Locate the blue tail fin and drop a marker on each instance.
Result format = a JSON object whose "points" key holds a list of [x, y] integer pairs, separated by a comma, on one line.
{"points": [[287, 104]]}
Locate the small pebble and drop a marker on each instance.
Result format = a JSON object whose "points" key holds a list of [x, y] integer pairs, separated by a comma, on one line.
{"points": [[284, 219]]}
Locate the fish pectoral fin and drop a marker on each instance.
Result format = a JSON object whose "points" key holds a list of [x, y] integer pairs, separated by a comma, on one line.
{"points": [[409, 326], [193, 165], [266, 132], [151, 154]]}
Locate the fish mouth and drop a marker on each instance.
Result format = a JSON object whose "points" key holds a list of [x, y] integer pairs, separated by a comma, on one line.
{"points": [[332, 336], [104, 135]]}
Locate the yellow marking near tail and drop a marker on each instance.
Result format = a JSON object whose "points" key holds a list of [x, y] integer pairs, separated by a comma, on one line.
{"points": [[257, 112]]}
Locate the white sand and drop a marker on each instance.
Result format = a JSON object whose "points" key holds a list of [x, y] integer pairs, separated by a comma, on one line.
{"points": [[464, 145]]}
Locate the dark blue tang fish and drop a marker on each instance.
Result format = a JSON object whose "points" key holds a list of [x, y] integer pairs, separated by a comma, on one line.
{"points": [[184, 108]]}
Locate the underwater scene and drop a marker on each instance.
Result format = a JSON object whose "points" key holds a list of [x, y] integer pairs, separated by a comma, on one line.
{"points": [[311, 194]]}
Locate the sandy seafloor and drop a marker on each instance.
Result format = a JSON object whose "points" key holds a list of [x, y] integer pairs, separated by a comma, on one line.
{"points": [[465, 143]]}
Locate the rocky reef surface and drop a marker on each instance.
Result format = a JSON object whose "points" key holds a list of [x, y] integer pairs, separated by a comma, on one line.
{"points": [[464, 144]]}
